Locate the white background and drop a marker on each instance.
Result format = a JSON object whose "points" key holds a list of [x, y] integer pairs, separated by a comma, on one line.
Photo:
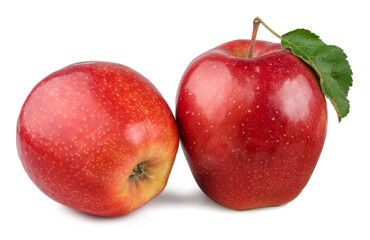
{"points": [[159, 39]]}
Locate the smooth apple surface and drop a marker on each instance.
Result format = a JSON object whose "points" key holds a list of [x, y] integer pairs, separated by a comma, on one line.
{"points": [[252, 129], [97, 137]]}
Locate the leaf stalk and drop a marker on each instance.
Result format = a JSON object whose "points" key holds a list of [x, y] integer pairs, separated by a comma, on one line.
{"points": [[267, 27]]}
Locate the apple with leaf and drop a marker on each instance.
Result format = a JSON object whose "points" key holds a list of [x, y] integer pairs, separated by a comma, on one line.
{"points": [[252, 115]]}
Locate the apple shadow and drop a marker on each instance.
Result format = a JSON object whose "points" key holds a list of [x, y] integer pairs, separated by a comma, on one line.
{"points": [[91, 217], [169, 199], [194, 198], [197, 199]]}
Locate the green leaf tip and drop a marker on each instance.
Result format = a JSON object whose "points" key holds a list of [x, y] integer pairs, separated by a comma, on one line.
{"points": [[329, 62]]}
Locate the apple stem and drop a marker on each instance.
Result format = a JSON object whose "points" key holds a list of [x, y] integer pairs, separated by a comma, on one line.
{"points": [[256, 23]]}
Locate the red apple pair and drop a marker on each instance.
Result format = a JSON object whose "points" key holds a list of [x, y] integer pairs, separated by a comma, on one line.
{"points": [[99, 137]]}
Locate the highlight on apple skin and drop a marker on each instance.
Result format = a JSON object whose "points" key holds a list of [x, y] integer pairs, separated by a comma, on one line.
{"points": [[252, 129], [97, 137]]}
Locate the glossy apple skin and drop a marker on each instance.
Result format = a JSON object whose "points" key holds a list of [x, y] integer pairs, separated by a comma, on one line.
{"points": [[252, 129], [83, 129]]}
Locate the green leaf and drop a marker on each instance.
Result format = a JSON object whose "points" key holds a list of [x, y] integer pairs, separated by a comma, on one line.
{"points": [[329, 62]]}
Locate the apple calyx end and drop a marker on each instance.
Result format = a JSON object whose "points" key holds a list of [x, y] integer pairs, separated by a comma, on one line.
{"points": [[139, 172]]}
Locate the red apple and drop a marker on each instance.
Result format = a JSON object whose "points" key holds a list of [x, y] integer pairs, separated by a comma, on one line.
{"points": [[97, 137], [252, 129]]}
